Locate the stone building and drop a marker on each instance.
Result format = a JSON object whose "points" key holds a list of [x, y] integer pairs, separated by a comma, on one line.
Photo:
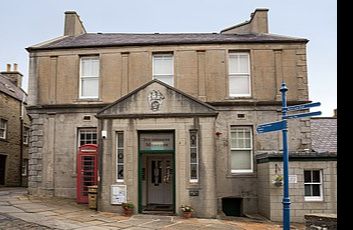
{"points": [[14, 129], [173, 116]]}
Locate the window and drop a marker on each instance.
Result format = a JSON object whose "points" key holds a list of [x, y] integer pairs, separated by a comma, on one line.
{"points": [[25, 135], [241, 150], [120, 156], [194, 156], [3, 128], [313, 185], [89, 77], [24, 167], [87, 136], [163, 68], [239, 74]]}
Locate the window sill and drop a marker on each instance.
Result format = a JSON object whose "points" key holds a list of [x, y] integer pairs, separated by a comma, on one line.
{"points": [[85, 100], [239, 98], [239, 175], [316, 200]]}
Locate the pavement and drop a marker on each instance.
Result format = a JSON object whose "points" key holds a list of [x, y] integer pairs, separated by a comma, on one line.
{"points": [[18, 210]]}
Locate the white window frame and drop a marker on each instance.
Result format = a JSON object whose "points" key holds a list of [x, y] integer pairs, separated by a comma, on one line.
{"points": [[245, 74], [196, 147], [251, 170], [117, 158], [3, 121], [86, 129], [314, 198], [25, 135], [89, 77], [24, 171], [162, 55]]}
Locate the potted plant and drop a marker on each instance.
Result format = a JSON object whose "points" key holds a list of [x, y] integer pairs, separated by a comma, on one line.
{"points": [[128, 208], [278, 181], [186, 211]]}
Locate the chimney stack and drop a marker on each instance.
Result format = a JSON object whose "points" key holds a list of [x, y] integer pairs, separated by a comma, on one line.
{"points": [[258, 24], [73, 24], [14, 76]]}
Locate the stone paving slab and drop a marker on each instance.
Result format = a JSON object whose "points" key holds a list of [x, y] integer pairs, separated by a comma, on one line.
{"points": [[9, 209], [23, 211]]}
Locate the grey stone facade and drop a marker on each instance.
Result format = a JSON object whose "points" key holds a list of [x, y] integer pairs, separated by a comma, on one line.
{"points": [[199, 100]]}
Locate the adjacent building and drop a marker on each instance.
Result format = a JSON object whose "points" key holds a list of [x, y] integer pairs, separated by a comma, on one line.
{"points": [[163, 120], [14, 129]]}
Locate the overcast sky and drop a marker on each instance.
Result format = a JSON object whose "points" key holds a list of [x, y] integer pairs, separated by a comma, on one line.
{"points": [[25, 23]]}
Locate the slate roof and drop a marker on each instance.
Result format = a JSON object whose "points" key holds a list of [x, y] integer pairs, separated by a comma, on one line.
{"points": [[7, 87], [324, 134], [131, 39]]}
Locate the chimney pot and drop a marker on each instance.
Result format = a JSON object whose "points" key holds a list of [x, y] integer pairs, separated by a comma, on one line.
{"points": [[15, 67], [8, 67]]}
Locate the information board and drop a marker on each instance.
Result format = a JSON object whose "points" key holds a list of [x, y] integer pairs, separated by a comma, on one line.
{"points": [[118, 194]]}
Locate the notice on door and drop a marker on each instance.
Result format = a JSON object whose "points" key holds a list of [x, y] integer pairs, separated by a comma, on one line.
{"points": [[118, 193]]}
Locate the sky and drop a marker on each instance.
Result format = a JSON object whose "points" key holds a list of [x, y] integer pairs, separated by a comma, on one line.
{"points": [[24, 23]]}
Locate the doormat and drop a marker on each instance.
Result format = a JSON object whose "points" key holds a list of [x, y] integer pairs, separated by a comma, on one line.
{"points": [[158, 207]]}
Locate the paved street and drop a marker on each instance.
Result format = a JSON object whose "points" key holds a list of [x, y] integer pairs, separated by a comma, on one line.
{"points": [[20, 211]]}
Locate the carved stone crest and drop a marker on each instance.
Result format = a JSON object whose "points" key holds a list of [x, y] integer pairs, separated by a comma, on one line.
{"points": [[155, 99]]}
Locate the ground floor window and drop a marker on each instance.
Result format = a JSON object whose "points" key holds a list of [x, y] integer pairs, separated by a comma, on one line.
{"points": [[87, 136], [194, 157], [119, 156], [241, 149], [313, 185], [24, 167]]}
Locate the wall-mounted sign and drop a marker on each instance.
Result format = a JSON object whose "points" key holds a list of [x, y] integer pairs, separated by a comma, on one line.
{"points": [[118, 194], [156, 141], [292, 179], [193, 193]]}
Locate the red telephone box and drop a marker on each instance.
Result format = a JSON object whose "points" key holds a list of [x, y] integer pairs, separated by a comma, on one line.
{"points": [[87, 165]]}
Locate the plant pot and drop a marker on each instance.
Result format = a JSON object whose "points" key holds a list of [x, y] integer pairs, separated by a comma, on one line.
{"points": [[128, 212], [187, 215], [278, 183]]}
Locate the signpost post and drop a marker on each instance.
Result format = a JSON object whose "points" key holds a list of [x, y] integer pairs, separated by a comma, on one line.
{"points": [[282, 125]]}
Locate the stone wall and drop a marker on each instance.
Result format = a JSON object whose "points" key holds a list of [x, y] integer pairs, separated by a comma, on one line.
{"points": [[247, 185], [199, 70], [10, 110], [273, 208], [53, 148]]}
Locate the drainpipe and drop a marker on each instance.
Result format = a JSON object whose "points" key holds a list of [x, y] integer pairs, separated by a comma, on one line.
{"points": [[100, 161], [21, 140]]}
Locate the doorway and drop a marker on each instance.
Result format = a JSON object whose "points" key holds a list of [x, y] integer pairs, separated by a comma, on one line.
{"points": [[2, 169], [156, 172], [157, 183]]}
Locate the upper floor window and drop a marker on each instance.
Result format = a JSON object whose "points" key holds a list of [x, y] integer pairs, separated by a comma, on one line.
{"points": [[239, 74], [313, 185], [25, 135], [241, 149], [163, 68], [3, 128], [89, 77]]}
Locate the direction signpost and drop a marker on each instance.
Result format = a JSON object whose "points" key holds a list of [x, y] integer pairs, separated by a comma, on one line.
{"points": [[282, 125]]}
